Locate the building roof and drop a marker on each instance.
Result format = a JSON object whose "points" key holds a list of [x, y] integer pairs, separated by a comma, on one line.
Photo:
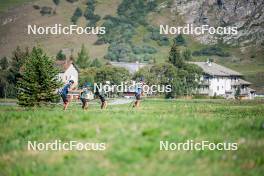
{"points": [[63, 65], [215, 69], [240, 82], [131, 67], [243, 82]]}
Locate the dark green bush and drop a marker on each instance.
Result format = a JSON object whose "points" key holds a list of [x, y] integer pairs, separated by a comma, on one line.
{"points": [[46, 10], [76, 15], [72, 1], [210, 51], [180, 40]]}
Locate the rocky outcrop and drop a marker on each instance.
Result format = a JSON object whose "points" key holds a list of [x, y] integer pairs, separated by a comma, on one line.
{"points": [[247, 15]]}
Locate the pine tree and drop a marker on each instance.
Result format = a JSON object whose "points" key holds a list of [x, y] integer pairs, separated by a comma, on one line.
{"points": [[3, 77], [60, 56], [76, 15], [187, 55], [96, 63], [238, 92], [17, 60], [83, 60], [180, 40], [56, 2], [13, 74], [175, 56], [39, 80], [4, 63]]}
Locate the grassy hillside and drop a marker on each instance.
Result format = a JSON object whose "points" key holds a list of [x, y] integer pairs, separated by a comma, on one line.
{"points": [[15, 33], [7, 4], [132, 138]]}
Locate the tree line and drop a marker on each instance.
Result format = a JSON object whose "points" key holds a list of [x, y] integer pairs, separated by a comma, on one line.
{"points": [[32, 77]]}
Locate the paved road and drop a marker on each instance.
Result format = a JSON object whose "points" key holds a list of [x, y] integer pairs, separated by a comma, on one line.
{"points": [[110, 102], [7, 103], [120, 101]]}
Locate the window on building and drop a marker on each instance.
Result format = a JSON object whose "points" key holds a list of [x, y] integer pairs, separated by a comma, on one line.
{"points": [[217, 87]]}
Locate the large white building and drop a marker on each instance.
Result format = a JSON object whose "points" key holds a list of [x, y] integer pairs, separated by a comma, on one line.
{"points": [[68, 71], [221, 81]]}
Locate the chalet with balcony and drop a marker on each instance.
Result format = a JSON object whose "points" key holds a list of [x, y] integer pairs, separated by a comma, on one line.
{"points": [[221, 81]]}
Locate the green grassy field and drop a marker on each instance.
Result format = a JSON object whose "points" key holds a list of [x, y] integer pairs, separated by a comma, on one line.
{"points": [[132, 138]]}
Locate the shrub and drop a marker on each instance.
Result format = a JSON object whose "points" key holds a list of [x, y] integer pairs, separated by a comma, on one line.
{"points": [[180, 40], [137, 50], [46, 10], [72, 1], [100, 41], [149, 49], [146, 58], [199, 96], [36, 7], [56, 2], [60, 56], [74, 19], [78, 12], [211, 51], [94, 20], [96, 63], [76, 15], [187, 55], [89, 13]]}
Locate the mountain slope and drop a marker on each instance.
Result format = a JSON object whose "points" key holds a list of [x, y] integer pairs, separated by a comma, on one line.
{"points": [[136, 27]]}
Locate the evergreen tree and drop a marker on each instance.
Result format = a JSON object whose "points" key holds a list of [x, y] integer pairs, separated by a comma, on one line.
{"points": [[76, 15], [17, 60], [56, 2], [3, 63], [3, 77], [187, 55], [238, 92], [13, 73], [83, 60], [180, 40], [60, 56], [96, 63], [193, 74], [78, 12], [175, 56], [39, 80]]}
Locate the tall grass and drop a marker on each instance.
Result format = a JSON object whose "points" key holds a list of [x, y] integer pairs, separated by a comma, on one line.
{"points": [[132, 138]]}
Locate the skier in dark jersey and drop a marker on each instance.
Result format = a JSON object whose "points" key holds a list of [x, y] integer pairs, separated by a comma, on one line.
{"points": [[138, 92], [64, 94], [102, 99]]}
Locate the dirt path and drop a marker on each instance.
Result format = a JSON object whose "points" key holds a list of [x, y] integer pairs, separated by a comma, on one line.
{"points": [[118, 101]]}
